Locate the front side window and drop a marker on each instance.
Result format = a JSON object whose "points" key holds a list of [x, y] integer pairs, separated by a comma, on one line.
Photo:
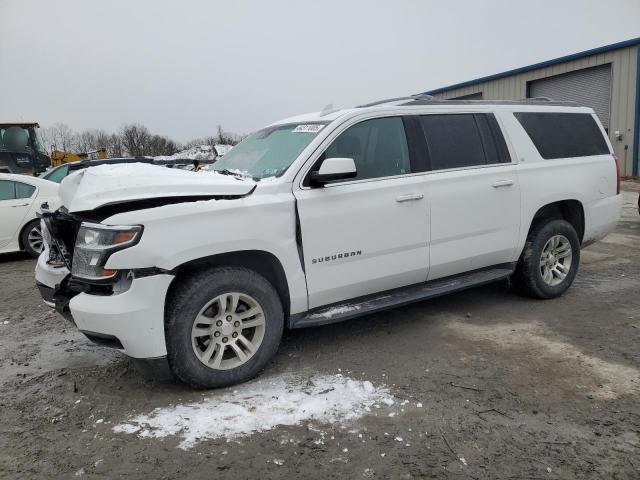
{"points": [[38, 142], [7, 190], [378, 148], [270, 151], [24, 190], [454, 141]]}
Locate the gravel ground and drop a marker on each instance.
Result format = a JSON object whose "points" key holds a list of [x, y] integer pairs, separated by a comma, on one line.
{"points": [[488, 385]]}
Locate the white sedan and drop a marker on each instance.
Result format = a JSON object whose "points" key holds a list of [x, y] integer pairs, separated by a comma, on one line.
{"points": [[20, 199]]}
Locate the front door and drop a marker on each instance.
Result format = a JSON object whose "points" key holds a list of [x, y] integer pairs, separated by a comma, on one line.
{"points": [[371, 233]]}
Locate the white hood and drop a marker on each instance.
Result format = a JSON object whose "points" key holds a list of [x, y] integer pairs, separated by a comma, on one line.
{"points": [[110, 184]]}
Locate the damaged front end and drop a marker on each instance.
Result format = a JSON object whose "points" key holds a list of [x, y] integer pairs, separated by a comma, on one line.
{"points": [[80, 249]]}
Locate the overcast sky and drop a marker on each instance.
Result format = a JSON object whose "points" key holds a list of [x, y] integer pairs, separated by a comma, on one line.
{"points": [[183, 67]]}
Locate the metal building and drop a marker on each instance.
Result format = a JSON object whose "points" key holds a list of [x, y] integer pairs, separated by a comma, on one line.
{"points": [[606, 79]]}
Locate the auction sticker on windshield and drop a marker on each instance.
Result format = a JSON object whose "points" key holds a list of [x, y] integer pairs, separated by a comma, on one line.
{"points": [[308, 128]]}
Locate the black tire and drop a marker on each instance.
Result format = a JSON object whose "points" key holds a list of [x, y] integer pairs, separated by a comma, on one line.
{"points": [[528, 278], [186, 301], [24, 238]]}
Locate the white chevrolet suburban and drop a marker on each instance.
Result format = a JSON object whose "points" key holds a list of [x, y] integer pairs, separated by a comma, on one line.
{"points": [[324, 217]]}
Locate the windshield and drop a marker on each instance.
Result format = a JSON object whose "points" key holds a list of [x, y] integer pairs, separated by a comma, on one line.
{"points": [[39, 142], [270, 151]]}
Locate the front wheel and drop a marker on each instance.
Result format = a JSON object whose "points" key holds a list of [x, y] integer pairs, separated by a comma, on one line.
{"points": [[549, 261], [223, 327]]}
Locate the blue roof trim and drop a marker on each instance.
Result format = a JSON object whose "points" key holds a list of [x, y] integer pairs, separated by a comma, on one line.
{"points": [[636, 123], [535, 66]]}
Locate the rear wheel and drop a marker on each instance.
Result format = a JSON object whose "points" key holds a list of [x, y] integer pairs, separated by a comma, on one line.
{"points": [[549, 261], [223, 326], [31, 238]]}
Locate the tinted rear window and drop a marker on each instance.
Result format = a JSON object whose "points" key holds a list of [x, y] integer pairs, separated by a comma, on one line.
{"points": [[454, 141], [563, 135], [463, 140]]}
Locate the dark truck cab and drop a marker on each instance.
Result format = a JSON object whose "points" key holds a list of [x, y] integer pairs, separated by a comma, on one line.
{"points": [[22, 149]]}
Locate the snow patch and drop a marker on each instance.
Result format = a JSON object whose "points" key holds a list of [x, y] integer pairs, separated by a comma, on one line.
{"points": [[199, 152], [261, 406], [335, 311]]}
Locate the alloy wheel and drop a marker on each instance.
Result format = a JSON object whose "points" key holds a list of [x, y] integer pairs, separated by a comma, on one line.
{"points": [[555, 260], [228, 331]]}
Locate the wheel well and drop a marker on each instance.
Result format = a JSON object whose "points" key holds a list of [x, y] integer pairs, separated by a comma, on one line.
{"points": [[261, 262], [570, 210], [22, 230]]}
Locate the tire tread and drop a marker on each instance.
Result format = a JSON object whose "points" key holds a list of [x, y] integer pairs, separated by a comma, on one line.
{"points": [[191, 287]]}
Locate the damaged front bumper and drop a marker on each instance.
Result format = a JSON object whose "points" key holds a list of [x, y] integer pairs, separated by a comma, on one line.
{"points": [[127, 313], [132, 321]]}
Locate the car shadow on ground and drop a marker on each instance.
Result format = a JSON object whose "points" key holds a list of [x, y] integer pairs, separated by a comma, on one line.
{"points": [[14, 257]]}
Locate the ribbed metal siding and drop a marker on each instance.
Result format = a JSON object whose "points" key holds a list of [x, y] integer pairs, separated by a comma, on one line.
{"points": [[590, 87], [471, 96]]}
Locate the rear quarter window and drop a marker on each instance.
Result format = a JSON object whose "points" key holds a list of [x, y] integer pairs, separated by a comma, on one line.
{"points": [[563, 135], [24, 190]]}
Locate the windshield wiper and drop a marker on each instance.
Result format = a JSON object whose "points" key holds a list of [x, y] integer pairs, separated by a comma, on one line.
{"points": [[237, 174], [226, 171]]}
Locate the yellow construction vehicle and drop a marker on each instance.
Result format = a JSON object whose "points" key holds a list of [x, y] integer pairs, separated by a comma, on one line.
{"points": [[59, 157]]}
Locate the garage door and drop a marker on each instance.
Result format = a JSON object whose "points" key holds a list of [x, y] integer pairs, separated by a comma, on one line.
{"points": [[590, 87]]}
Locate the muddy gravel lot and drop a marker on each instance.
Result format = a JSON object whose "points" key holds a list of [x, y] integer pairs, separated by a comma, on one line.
{"points": [[482, 384]]}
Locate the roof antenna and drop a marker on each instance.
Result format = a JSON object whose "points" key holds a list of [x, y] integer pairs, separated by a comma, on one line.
{"points": [[327, 110]]}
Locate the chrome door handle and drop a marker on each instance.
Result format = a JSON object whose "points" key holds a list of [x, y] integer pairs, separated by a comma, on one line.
{"points": [[502, 183], [20, 205], [409, 197]]}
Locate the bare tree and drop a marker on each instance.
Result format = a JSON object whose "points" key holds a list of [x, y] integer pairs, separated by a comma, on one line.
{"points": [[90, 140], [196, 142], [102, 140], [58, 137], [159, 145], [114, 145], [221, 137], [135, 139], [227, 138]]}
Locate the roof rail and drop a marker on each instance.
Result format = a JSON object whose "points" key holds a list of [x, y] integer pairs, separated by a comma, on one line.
{"points": [[422, 99], [523, 101], [420, 96]]}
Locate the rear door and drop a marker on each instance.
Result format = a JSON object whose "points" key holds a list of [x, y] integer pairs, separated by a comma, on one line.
{"points": [[15, 201], [368, 234], [473, 192]]}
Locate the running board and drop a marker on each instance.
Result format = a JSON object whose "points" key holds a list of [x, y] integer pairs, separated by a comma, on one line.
{"points": [[377, 302]]}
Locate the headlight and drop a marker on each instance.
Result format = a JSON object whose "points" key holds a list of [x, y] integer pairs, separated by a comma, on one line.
{"points": [[94, 245]]}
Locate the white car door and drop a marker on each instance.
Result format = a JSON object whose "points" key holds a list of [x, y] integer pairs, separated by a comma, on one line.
{"points": [[473, 193], [12, 209], [368, 234]]}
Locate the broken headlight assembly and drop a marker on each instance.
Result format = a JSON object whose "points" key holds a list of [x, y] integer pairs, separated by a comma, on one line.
{"points": [[94, 245]]}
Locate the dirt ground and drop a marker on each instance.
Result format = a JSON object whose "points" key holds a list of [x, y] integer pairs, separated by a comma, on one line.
{"points": [[509, 388]]}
